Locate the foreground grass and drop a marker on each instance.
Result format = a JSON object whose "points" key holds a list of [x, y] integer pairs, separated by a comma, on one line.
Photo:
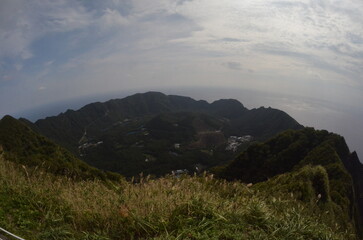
{"points": [[37, 205]]}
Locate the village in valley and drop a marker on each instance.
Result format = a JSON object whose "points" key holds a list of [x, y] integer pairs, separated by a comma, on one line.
{"points": [[234, 142]]}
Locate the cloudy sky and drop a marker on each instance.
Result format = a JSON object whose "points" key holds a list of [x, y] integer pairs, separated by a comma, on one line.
{"points": [[56, 50]]}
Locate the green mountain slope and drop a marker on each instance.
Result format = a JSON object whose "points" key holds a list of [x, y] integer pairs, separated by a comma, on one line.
{"points": [[166, 142], [291, 151], [143, 132], [68, 128], [22, 145], [355, 168]]}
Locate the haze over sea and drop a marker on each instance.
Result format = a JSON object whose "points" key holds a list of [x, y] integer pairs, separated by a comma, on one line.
{"points": [[319, 114]]}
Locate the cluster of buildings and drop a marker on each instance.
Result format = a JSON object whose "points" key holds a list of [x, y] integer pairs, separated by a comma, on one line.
{"points": [[88, 145], [234, 142]]}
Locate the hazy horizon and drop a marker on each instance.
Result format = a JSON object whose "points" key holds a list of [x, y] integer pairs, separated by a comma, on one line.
{"points": [[308, 112]]}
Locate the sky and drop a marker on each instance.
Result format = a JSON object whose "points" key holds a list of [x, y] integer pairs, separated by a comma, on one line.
{"points": [[307, 53]]}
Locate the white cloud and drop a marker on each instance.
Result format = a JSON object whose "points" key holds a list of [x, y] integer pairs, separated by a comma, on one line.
{"points": [[112, 18], [326, 30], [22, 22], [300, 43]]}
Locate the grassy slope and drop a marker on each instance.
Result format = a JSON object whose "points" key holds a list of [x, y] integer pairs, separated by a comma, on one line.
{"points": [[39, 205]]}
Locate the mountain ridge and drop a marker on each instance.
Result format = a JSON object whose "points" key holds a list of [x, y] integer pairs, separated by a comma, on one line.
{"points": [[129, 131], [141, 104]]}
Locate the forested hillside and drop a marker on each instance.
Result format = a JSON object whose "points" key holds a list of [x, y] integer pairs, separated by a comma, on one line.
{"points": [[22, 145], [156, 133], [290, 151]]}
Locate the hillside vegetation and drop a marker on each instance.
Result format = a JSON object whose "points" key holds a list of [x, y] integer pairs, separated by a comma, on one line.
{"points": [[139, 133], [22, 145], [290, 151], [38, 205]]}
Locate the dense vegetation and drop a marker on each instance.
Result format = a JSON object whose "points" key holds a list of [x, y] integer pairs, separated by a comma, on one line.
{"points": [[22, 145], [38, 205], [138, 133], [292, 150], [138, 146]]}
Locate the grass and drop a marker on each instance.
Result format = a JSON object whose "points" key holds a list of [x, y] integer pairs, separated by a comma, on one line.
{"points": [[39, 205]]}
